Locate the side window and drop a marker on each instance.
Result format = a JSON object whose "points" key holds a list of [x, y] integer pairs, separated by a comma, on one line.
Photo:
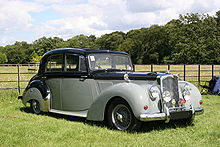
{"points": [[54, 63], [75, 63]]}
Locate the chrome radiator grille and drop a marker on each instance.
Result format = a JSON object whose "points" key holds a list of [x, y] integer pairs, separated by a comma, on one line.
{"points": [[170, 83]]}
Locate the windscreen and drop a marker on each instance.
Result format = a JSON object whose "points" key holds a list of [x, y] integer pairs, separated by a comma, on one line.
{"points": [[109, 61]]}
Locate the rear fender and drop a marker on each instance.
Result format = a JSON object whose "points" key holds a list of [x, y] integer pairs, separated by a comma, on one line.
{"points": [[39, 91]]}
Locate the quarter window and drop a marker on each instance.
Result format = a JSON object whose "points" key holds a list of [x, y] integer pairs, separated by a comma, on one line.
{"points": [[75, 63], [54, 63]]}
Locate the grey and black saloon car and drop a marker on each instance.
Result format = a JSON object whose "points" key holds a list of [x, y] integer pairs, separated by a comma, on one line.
{"points": [[102, 85]]}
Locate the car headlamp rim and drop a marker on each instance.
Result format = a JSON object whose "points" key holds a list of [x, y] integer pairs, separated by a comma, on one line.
{"points": [[186, 89], [154, 92]]}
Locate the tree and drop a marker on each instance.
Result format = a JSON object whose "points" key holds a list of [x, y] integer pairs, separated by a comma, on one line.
{"points": [[217, 19], [44, 44], [17, 53], [3, 58], [34, 57], [110, 41], [82, 41], [193, 39]]}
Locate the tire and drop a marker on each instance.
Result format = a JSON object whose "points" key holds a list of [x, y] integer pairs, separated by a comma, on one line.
{"points": [[121, 117], [35, 107]]}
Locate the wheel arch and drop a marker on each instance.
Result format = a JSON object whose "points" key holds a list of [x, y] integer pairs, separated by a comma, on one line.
{"points": [[37, 90], [109, 103], [41, 86], [133, 94], [195, 96]]}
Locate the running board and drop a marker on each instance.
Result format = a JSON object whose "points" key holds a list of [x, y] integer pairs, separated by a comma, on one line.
{"points": [[72, 113]]}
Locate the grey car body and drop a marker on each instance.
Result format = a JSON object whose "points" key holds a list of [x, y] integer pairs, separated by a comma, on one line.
{"points": [[102, 85]]}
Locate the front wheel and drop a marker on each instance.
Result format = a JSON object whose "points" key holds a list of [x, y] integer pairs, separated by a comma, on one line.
{"points": [[121, 117], [35, 106]]}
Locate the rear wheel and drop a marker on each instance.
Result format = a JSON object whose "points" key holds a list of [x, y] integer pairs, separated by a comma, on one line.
{"points": [[121, 117], [35, 106]]}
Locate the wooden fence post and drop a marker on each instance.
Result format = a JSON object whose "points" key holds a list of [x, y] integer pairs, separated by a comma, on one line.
{"points": [[152, 68], [184, 72], [19, 88], [168, 66], [199, 73], [212, 70]]}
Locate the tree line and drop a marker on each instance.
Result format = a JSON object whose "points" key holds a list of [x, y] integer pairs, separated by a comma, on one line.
{"points": [[191, 39]]}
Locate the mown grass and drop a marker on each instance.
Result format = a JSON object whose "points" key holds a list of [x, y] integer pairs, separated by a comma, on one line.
{"points": [[19, 127]]}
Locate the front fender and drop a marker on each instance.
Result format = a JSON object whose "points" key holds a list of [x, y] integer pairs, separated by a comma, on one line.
{"points": [[135, 95], [195, 96]]}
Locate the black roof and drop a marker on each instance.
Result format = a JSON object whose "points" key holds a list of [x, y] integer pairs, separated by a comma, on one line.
{"points": [[74, 51], [80, 51]]}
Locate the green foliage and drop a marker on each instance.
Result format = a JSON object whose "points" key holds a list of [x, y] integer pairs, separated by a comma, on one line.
{"points": [[190, 39], [81, 41], [35, 57], [3, 58], [44, 44], [194, 39], [16, 53], [110, 41]]}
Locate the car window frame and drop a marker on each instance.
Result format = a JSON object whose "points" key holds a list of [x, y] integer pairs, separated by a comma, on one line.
{"points": [[77, 71], [89, 64], [64, 65], [45, 64]]}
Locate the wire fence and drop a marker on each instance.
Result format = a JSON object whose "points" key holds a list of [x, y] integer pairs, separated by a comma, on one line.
{"points": [[16, 76]]}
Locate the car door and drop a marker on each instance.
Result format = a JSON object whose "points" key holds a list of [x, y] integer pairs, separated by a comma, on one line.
{"points": [[53, 78], [76, 91]]}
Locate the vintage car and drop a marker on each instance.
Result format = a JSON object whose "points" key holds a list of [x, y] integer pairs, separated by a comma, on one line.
{"points": [[102, 85]]}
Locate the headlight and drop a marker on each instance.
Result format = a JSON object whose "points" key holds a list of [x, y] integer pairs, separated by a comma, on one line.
{"points": [[186, 92], [154, 93], [166, 96]]}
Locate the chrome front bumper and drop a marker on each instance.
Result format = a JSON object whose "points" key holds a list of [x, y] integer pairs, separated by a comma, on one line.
{"points": [[168, 115]]}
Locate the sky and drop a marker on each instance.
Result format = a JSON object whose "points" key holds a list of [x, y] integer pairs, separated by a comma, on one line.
{"points": [[29, 20]]}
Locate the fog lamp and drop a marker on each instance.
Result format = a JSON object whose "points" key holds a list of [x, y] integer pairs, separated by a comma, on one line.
{"points": [[166, 96], [173, 101]]}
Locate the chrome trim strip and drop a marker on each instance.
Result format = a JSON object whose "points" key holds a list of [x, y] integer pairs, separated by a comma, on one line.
{"points": [[168, 115], [75, 113], [46, 105], [199, 111], [152, 117], [193, 112]]}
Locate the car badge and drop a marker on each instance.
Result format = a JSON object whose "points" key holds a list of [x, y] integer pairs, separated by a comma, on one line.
{"points": [[126, 78]]}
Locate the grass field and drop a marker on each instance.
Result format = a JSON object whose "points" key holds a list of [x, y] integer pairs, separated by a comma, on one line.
{"points": [[19, 127]]}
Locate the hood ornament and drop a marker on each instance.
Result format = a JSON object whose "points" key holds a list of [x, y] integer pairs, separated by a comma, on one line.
{"points": [[126, 78]]}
